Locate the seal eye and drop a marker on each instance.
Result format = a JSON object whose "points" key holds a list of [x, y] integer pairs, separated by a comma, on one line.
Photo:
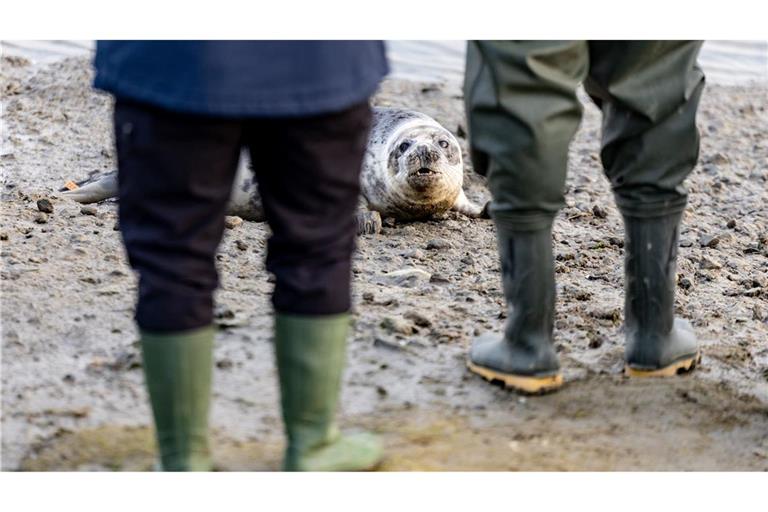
{"points": [[404, 146], [444, 144]]}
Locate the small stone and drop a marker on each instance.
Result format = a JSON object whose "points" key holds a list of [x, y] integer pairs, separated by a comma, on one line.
{"points": [[416, 254], [468, 260], [382, 391], [3, 236], [599, 212], [232, 221], [437, 244], [437, 278], [710, 241], [709, 264], [89, 210], [224, 364], [241, 245], [389, 222], [407, 277], [127, 360], [396, 325], [731, 224], [719, 159], [41, 218], [419, 319], [368, 296], [45, 206], [595, 342], [685, 283]]}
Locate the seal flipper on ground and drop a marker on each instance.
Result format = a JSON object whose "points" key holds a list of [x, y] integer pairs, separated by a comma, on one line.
{"points": [[94, 190], [465, 206]]}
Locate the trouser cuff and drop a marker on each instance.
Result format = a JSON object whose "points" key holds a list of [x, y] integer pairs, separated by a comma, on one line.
{"points": [[650, 209], [526, 221]]}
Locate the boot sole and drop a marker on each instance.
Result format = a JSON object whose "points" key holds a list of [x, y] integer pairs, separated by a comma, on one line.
{"points": [[521, 383], [676, 368]]}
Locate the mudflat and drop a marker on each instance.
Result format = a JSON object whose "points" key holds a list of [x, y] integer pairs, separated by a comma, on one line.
{"points": [[73, 396]]}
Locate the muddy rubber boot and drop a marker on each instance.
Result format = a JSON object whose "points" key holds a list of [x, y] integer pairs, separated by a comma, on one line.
{"points": [[523, 358], [311, 351], [657, 343], [177, 369]]}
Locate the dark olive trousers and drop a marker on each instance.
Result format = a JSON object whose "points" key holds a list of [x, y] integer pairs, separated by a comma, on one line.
{"points": [[523, 111], [176, 172]]}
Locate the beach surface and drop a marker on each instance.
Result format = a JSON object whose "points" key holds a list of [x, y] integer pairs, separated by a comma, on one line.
{"points": [[72, 386]]}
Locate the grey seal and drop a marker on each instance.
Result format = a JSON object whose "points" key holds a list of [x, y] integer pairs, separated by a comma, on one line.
{"points": [[412, 170]]}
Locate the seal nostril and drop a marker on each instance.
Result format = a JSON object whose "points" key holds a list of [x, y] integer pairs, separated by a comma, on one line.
{"points": [[424, 170]]}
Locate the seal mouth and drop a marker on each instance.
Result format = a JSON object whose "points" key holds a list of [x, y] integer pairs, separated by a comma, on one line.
{"points": [[424, 172]]}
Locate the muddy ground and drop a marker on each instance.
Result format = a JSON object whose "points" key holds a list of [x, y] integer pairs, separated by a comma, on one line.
{"points": [[72, 395]]}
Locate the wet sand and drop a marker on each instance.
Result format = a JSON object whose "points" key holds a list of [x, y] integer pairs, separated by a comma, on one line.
{"points": [[72, 395]]}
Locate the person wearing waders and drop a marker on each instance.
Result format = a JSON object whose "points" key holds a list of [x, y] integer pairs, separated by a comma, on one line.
{"points": [[522, 112], [183, 112]]}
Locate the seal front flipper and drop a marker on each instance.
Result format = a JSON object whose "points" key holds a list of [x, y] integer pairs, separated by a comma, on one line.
{"points": [[368, 222], [468, 208], [94, 190]]}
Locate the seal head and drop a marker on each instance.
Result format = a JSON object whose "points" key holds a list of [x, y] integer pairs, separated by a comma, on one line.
{"points": [[413, 168]]}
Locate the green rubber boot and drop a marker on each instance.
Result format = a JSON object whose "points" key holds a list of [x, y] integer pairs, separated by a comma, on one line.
{"points": [[523, 358], [311, 351], [177, 369], [657, 343]]}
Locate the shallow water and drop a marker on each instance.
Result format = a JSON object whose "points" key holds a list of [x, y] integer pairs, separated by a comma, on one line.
{"points": [[725, 62]]}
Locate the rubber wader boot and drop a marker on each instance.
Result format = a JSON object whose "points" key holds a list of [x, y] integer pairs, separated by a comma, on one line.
{"points": [[177, 369], [657, 343], [523, 358], [311, 351]]}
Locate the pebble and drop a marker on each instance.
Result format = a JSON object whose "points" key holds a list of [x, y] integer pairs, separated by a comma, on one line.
{"points": [[368, 296], [599, 212], [416, 254], [731, 224], [45, 206], [709, 264], [719, 159], [396, 325], [710, 241], [438, 243], [224, 364], [419, 319], [232, 221], [438, 278], [3, 236], [685, 283], [88, 210], [241, 245], [405, 277], [41, 218]]}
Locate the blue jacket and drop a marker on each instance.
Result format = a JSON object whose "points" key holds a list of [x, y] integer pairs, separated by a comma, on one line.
{"points": [[242, 78]]}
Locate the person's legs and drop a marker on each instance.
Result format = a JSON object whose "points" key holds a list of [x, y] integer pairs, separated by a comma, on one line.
{"points": [[175, 176], [522, 112], [308, 173], [649, 92]]}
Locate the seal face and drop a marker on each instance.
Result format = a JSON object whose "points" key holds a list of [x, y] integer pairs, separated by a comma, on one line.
{"points": [[413, 167]]}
